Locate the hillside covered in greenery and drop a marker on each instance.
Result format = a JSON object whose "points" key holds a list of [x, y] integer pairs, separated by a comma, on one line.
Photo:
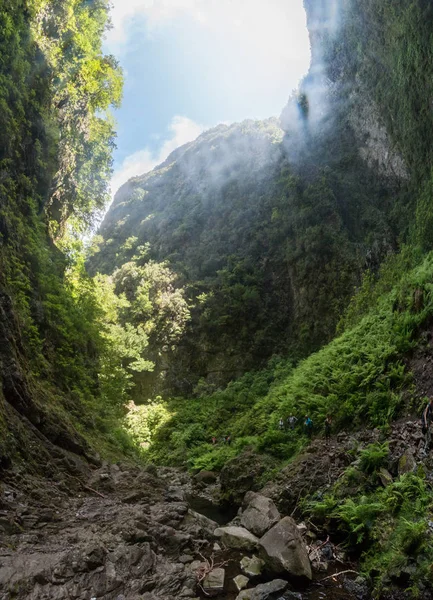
{"points": [[56, 137], [310, 255], [267, 269], [269, 226]]}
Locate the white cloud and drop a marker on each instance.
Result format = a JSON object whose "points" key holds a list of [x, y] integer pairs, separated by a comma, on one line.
{"points": [[272, 33], [182, 130], [124, 12]]}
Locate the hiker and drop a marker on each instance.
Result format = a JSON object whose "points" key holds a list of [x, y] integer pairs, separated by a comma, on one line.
{"points": [[308, 424], [214, 440], [281, 424], [292, 420], [228, 440], [328, 423], [427, 417]]}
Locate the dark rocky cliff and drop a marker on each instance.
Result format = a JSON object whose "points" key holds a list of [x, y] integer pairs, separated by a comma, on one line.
{"points": [[272, 232]]}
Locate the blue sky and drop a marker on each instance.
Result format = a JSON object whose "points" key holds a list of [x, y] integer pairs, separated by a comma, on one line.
{"points": [[191, 64]]}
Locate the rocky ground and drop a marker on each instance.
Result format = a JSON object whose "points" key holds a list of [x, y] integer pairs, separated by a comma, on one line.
{"points": [[321, 464], [118, 532]]}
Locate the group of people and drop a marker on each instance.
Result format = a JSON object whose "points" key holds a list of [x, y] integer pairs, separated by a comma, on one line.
{"points": [[226, 439], [308, 425]]}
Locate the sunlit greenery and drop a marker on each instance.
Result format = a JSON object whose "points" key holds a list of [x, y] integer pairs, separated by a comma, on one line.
{"points": [[257, 283]]}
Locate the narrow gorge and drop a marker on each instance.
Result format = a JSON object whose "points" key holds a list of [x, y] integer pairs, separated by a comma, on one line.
{"points": [[161, 359]]}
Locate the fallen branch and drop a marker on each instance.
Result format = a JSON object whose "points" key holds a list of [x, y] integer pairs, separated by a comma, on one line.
{"points": [[206, 568], [323, 544], [338, 574], [315, 551], [87, 487], [312, 525]]}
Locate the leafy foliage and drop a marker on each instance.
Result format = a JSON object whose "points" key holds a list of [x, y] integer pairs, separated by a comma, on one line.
{"points": [[389, 525], [359, 378], [268, 253]]}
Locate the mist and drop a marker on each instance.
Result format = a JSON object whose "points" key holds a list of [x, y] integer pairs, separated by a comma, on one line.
{"points": [[311, 107]]}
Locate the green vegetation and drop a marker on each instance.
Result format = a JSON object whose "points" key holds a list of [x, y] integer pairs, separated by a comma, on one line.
{"points": [[268, 263], [55, 159], [360, 378], [233, 263], [390, 525]]}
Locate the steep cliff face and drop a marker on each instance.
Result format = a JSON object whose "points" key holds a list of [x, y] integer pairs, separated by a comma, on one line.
{"points": [[270, 232], [48, 356]]}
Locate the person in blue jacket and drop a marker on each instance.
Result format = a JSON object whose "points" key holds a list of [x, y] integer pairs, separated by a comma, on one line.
{"points": [[308, 424]]}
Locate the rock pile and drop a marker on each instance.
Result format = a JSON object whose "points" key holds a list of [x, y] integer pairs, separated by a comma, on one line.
{"points": [[281, 548]]}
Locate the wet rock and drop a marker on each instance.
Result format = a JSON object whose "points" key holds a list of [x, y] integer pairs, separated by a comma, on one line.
{"points": [[175, 494], [206, 477], [264, 591], [260, 514], [8, 526], [327, 552], [186, 593], [134, 496], [213, 583], [358, 587], [288, 595], [385, 477], [407, 463], [283, 550], [198, 524], [186, 558], [252, 566], [237, 538], [241, 582], [94, 556]]}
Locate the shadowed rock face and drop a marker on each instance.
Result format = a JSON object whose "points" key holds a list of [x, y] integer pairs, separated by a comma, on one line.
{"points": [[284, 551], [241, 475], [128, 541], [264, 591], [260, 514]]}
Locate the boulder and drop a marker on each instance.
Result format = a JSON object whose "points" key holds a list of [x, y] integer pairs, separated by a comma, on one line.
{"points": [[199, 524], [241, 582], [237, 537], [175, 494], [265, 591], [206, 477], [213, 583], [407, 463], [260, 514], [283, 550], [252, 566], [385, 477], [186, 558]]}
